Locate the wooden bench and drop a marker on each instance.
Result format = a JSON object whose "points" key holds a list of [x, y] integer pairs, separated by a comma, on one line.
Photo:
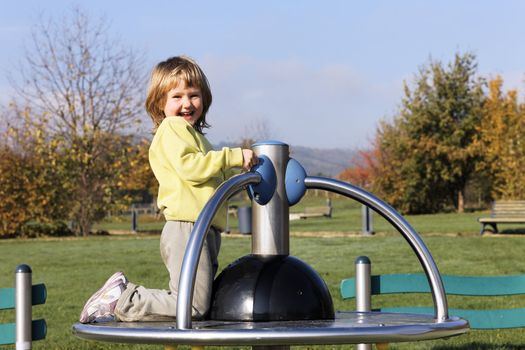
{"points": [[312, 212], [456, 285], [503, 212], [35, 329]]}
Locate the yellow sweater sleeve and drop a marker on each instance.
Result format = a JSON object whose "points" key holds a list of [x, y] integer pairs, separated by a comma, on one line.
{"points": [[188, 169], [190, 158]]}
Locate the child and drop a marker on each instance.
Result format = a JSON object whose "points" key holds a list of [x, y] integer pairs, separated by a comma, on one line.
{"points": [[188, 171]]}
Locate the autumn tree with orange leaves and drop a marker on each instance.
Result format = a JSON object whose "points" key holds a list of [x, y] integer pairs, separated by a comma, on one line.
{"points": [[362, 171], [502, 142]]}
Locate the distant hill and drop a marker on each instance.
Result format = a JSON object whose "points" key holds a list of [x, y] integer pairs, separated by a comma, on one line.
{"points": [[316, 161], [325, 162]]}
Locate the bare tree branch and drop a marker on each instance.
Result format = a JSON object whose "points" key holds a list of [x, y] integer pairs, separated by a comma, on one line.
{"points": [[91, 87], [84, 79]]}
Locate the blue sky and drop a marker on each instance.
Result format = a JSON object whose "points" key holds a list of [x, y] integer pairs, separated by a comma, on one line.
{"points": [[312, 73]]}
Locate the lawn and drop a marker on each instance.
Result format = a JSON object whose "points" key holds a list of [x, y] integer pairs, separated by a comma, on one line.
{"points": [[74, 268], [346, 217]]}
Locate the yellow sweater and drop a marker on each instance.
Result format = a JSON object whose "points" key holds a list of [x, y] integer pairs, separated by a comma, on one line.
{"points": [[188, 170]]}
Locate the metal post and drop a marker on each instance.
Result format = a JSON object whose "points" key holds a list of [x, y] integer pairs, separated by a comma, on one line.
{"points": [[367, 221], [271, 225], [134, 224], [23, 302], [363, 299], [270, 222]]}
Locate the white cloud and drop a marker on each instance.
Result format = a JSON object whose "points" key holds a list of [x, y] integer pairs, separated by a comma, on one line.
{"points": [[327, 106]]}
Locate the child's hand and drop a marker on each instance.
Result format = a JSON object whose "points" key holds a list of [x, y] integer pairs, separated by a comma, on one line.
{"points": [[249, 159]]}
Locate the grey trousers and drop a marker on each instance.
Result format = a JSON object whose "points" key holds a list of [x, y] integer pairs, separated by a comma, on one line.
{"points": [[138, 303]]}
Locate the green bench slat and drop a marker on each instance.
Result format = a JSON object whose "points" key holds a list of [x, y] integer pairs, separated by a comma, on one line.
{"points": [[8, 331], [457, 285], [478, 319], [7, 296]]}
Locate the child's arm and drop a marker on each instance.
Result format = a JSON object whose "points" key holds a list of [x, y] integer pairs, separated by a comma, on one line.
{"points": [[249, 160], [191, 164]]}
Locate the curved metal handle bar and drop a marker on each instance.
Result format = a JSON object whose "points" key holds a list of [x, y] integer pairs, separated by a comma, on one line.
{"points": [[389, 213], [196, 242]]}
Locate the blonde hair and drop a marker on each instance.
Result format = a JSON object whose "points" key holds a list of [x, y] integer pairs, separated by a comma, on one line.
{"points": [[169, 74]]}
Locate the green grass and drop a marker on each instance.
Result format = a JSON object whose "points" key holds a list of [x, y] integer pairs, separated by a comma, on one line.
{"points": [[74, 268], [346, 218]]}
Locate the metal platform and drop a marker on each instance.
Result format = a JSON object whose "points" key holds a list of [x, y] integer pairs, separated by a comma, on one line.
{"points": [[347, 328]]}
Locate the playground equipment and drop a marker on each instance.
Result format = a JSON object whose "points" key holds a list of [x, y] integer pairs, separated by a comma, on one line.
{"points": [[270, 299]]}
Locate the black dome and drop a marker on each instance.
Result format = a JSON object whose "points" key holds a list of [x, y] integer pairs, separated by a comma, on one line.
{"points": [[270, 288]]}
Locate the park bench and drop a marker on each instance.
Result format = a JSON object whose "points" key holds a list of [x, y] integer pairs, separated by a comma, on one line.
{"points": [[312, 212], [503, 212], [21, 299]]}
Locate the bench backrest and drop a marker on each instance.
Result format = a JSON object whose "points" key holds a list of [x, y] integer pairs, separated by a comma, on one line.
{"points": [[317, 210], [457, 285], [508, 209], [8, 302]]}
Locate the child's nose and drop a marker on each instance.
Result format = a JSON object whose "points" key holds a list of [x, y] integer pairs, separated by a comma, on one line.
{"points": [[186, 102]]}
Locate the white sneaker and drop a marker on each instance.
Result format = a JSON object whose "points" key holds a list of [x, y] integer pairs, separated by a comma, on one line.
{"points": [[102, 304]]}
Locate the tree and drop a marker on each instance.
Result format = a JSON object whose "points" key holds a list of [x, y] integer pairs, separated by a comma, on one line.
{"points": [[257, 129], [139, 184], [502, 136], [431, 145], [30, 185], [361, 172], [90, 86]]}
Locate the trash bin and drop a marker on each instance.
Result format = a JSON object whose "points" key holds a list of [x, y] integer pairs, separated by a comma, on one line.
{"points": [[244, 214]]}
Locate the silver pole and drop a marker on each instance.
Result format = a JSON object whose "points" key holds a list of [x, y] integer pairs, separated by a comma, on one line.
{"points": [[23, 302], [413, 239], [363, 284], [271, 232], [196, 242], [363, 290]]}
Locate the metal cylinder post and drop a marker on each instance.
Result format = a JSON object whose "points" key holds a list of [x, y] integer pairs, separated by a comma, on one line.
{"points": [[367, 221], [23, 296], [134, 221], [244, 216], [363, 299], [362, 284], [270, 222]]}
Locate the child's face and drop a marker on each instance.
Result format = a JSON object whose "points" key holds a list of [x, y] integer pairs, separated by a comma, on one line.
{"points": [[185, 102]]}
